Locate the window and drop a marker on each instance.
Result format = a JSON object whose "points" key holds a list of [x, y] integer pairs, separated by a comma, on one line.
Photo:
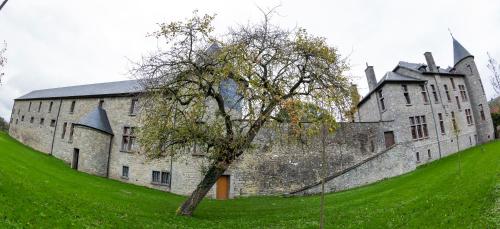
{"points": [[441, 123], [134, 105], [64, 130], [434, 93], [125, 172], [406, 94], [165, 178], [454, 121], [418, 156], [18, 111], [40, 106], [50, 106], [17, 121], [156, 177], [372, 146], [463, 92], [453, 84], [458, 103], [29, 107], [32, 119], [418, 127], [101, 103], [389, 139], [429, 154], [52, 122], [128, 139], [381, 99], [71, 131], [72, 108], [424, 93], [468, 115], [42, 120], [447, 93], [22, 118], [481, 112]]}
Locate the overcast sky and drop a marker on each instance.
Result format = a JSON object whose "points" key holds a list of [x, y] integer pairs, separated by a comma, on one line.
{"points": [[55, 43]]}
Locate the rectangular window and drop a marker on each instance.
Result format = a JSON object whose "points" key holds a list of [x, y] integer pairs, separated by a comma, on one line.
{"points": [[128, 139], [72, 108], [50, 106], [434, 93], [424, 94], [64, 130], [418, 156], [447, 91], [32, 119], [406, 94], [22, 118], [125, 172], [463, 92], [17, 121], [429, 155], [40, 106], [458, 103], [468, 116], [389, 139], [29, 107], [453, 84], [42, 120], [156, 177], [71, 131], [418, 127], [441, 123], [481, 112], [52, 122], [134, 106], [454, 121], [101, 103], [165, 178]]}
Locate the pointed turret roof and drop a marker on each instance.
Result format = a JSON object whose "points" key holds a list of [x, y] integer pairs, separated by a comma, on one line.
{"points": [[97, 119], [459, 52]]}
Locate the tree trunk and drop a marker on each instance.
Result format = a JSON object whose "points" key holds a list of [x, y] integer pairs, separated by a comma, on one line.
{"points": [[213, 173]]}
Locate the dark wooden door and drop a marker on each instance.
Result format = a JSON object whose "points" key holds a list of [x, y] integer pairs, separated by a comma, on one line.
{"points": [[389, 139], [222, 189], [76, 155]]}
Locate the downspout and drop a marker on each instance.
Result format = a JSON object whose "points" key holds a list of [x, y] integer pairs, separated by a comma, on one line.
{"points": [[55, 128], [109, 155], [433, 118], [171, 174]]}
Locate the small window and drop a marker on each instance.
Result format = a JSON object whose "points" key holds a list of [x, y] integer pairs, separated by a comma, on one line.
{"points": [[125, 172], [134, 106], [156, 177], [128, 139], [40, 106], [463, 93], [481, 112], [406, 94], [381, 99], [29, 107], [42, 120], [22, 118], [52, 122], [424, 94], [32, 119], [50, 106], [468, 116], [434, 93], [441, 123], [454, 122], [71, 131], [429, 155], [447, 91], [165, 178], [72, 108], [64, 130], [453, 84], [17, 121], [101, 103], [459, 106], [418, 156]]}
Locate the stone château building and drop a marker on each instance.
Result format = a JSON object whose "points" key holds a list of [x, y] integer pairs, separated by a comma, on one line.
{"points": [[415, 114]]}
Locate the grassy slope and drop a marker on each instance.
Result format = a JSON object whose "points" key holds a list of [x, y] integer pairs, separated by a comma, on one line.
{"points": [[37, 190]]}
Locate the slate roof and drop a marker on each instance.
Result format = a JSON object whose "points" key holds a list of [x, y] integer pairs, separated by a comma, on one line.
{"points": [[97, 119], [459, 52], [89, 90]]}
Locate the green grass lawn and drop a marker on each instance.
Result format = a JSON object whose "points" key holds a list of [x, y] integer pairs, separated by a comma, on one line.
{"points": [[40, 191]]}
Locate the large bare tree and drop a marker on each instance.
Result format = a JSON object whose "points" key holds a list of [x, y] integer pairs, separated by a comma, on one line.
{"points": [[3, 59], [218, 92], [495, 73]]}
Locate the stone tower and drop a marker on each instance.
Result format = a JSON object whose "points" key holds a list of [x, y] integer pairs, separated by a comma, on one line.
{"points": [[464, 64]]}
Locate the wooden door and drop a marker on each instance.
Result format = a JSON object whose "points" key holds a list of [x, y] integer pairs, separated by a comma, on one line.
{"points": [[222, 188], [76, 155], [389, 139]]}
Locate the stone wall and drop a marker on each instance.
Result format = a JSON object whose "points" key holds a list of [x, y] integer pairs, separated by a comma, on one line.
{"points": [[93, 146]]}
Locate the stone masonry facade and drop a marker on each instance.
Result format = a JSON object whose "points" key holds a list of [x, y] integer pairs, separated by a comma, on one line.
{"points": [[415, 114]]}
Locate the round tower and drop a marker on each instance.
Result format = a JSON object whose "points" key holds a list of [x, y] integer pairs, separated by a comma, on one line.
{"points": [[464, 64]]}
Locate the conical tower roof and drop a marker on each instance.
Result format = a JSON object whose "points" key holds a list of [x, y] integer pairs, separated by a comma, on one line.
{"points": [[459, 52], [97, 119]]}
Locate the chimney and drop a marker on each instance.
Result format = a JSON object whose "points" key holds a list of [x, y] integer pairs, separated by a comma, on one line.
{"points": [[430, 62], [370, 77]]}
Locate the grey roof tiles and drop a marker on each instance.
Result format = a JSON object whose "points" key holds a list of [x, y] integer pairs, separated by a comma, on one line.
{"points": [[459, 52], [97, 119]]}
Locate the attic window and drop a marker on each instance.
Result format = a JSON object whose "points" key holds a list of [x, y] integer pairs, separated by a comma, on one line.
{"points": [[422, 68]]}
